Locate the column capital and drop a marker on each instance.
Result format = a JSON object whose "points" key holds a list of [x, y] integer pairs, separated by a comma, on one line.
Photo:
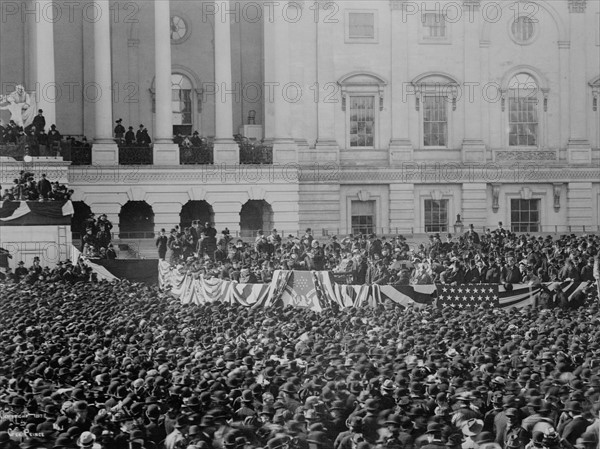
{"points": [[577, 6]]}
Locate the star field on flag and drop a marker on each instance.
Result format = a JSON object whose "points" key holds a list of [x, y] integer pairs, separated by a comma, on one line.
{"points": [[471, 295]]}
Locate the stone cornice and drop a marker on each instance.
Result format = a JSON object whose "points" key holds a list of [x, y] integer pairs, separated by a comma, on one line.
{"points": [[412, 172], [456, 173], [191, 175]]}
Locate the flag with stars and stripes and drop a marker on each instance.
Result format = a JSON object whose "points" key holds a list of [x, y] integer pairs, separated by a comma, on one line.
{"points": [[468, 295]]}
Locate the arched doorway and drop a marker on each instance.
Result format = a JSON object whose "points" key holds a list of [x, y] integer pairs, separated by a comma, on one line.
{"points": [[196, 210], [82, 212], [136, 220], [255, 215]]}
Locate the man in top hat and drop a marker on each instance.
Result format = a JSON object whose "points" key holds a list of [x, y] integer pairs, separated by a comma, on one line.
{"points": [[119, 131]]}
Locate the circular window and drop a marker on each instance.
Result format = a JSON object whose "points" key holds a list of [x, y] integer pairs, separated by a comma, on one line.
{"points": [[522, 30], [179, 29]]}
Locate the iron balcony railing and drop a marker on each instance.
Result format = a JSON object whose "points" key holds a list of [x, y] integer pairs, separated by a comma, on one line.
{"points": [[197, 155]]}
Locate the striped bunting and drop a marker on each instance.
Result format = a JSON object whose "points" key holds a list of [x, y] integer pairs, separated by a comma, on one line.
{"points": [[317, 291]]}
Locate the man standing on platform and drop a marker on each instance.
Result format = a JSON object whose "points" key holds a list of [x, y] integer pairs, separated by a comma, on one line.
{"points": [[44, 187], [54, 138], [139, 135], [161, 244], [130, 137], [39, 122]]}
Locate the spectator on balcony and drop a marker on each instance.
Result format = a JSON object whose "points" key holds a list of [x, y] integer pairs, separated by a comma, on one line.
{"points": [[186, 143], [7, 195], [88, 239], [146, 140], [142, 137], [54, 137], [209, 231], [138, 134], [39, 122], [44, 187], [129, 137], [42, 138], [188, 243], [111, 254], [196, 140], [103, 219], [510, 274], [12, 132], [103, 236], [31, 191], [119, 132], [32, 142], [176, 248]]}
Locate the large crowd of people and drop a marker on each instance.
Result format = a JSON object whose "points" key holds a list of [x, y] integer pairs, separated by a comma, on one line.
{"points": [[88, 364], [26, 188], [496, 257]]}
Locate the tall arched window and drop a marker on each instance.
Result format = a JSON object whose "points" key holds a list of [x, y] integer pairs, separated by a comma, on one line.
{"points": [[182, 104], [523, 111]]}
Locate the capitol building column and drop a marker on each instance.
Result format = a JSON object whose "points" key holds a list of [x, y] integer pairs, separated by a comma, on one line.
{"points": [[104, 150], [165, 151], [226, 149], [46, 94]]}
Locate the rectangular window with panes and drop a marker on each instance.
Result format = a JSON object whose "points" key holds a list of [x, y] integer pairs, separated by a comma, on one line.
{"points": [[525, 215], [362, 121], [435, 121], [523, 121], [363, 217], [434, 26], [436, 215]]}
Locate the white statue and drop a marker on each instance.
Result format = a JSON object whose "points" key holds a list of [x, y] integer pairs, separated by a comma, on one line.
{"points": [[19, 105]]}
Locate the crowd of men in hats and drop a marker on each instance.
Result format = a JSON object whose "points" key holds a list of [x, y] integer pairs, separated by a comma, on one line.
{"points": [[31, 136], [63, 272], [96, 242], [498, 257], [26, 188], [131, 138], [124, 365]]}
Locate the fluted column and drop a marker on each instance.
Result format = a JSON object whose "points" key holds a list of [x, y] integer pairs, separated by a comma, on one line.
{"points": [[226, 150], [579, 148], [103, 74], [45, 66], [104, 150], [163, 128], [326, 145], [473, 148], [400, 145], [165, 151], [282, 90]]}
